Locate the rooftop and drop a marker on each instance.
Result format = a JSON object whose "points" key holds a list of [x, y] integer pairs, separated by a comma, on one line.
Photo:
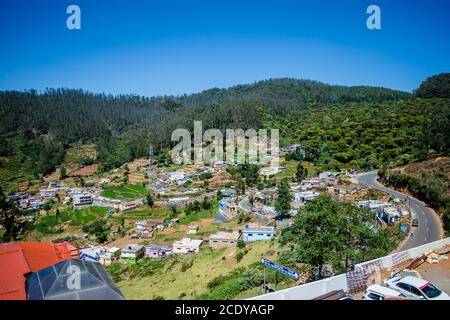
{"points": [[223, 235], [132, 247], [258, 228], [187, 242]]}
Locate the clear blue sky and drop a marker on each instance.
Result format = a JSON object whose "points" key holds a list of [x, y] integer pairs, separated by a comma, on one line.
{"points": [[173, 47]]}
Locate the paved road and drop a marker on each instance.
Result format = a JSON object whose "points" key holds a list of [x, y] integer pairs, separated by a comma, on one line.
{"points": [[430, 227]]}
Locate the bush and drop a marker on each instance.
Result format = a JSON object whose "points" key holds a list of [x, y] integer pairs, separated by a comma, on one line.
{"points": [[251, 278], [216, 282], [116, 270], [241, 244], [186, 265]]}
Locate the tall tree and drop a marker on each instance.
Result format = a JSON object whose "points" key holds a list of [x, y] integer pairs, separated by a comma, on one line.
{"points": [[11, 218], [149, 200], [327, 233], [284, 199], [301, 172]]}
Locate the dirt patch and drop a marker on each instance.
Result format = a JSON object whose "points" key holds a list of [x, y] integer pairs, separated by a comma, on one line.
{"points": [[122, 242], [85, 171], [183, 227], [437, 273]]}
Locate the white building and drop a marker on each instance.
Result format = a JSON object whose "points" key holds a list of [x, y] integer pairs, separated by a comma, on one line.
{"points": [[132, 251], [111, 255], [82, 200], [305, 196], [187, 245], [48, 193]]}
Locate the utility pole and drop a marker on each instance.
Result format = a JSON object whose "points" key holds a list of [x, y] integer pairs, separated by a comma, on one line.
{"points": [[150, 163]]}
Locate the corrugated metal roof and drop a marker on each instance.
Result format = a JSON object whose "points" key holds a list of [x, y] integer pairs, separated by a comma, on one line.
{"points": [[13, 267], [19, 258]]}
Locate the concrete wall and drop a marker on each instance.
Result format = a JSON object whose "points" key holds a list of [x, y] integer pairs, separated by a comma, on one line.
{"points": [[314, 289], [416, 252]]}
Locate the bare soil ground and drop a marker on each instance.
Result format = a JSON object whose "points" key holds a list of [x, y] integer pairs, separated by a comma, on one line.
{"points": [[85, 171]]}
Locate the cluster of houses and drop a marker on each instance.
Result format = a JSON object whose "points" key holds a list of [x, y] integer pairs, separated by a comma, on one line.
{"points": [[146, 228], [81, 197], [175, 179], [37, 201], [221, 239], [387, 212]]}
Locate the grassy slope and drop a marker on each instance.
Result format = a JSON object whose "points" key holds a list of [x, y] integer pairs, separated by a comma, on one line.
{"points": [[125, 192], [13, 175], [291, 168], [434, 171], [207, 265]]}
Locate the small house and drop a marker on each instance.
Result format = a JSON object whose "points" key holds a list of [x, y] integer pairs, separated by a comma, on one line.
{"points": [[92, 253], [48, 193], [132, 251], [257, 232], [224, 239], [192, 229], [111, 255], [82, 200], [155, 251], [187, 245]]}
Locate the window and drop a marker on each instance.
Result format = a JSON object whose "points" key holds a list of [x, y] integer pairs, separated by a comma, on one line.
{"points": [[416, 291], [409, 288], [404, 286], [430, 291], [375, 296]]}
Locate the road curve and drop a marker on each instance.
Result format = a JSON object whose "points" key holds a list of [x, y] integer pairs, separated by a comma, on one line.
{"points": [[430, 226]]}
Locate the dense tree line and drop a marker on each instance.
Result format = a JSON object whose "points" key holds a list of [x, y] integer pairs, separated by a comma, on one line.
{"points": [[284, 95], [366, 135], [38, 128], [437, 86], [339, 126]]}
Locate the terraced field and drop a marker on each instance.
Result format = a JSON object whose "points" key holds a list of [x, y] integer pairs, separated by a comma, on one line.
{"points": [[125, 192]]}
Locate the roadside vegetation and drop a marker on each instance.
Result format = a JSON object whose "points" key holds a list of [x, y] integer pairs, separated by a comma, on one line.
{"points": [[431, 192], [330, 237], [210, 274]]}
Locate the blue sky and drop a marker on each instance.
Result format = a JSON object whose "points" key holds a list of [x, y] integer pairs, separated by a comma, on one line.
{"points": [[182, 46]]}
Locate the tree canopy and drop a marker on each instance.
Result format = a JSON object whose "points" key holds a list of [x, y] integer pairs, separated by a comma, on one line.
{"points": [[328, 237]]}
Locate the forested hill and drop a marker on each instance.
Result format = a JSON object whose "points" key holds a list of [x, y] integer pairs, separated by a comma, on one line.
{"points": [[36, 129], [284, 95]]}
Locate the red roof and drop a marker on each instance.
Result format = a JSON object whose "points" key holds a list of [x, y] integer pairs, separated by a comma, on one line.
{"points": [[19, 258]]}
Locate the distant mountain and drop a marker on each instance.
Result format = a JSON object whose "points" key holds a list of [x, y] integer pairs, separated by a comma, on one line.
{"points": [[282, 95], [36, 129]]}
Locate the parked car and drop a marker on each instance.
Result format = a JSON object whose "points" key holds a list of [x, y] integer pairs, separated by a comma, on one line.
{"points": [[380, 292], [415, 222], [416, 288]]}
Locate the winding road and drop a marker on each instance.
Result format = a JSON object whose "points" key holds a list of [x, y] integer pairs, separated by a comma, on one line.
{"points": [[430, 226]]}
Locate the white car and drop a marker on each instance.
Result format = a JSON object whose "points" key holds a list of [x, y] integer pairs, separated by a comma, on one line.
{"points": [[416, 288], [380, 292]]}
